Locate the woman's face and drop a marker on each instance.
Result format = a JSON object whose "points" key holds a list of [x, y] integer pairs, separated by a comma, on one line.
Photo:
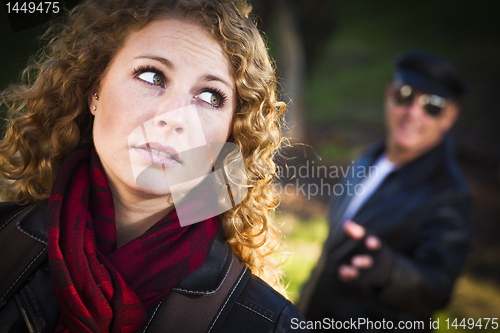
{"points": [[167, 95]]}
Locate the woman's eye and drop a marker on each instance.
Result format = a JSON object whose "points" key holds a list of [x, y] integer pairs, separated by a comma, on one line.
{"points": [[152, 77], [211, 98]]}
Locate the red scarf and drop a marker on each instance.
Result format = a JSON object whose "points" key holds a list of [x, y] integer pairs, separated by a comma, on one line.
{"points": [[101, 288]]}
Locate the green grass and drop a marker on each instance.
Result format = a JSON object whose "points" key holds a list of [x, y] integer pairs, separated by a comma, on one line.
{"points": [[304, 240]]}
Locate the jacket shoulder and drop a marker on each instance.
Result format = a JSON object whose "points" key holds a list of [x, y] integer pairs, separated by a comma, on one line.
{"points": [[264, 309], [8, 210]]}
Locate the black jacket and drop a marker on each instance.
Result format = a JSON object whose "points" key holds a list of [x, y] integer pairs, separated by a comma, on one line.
{"points": [[422, 212], [34, 308]]}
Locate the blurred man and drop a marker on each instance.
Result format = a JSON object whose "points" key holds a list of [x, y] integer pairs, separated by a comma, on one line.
{"points": [[397, 245]]}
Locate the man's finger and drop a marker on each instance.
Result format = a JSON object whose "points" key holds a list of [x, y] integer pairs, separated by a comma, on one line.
{"points": [[354, 230], [362, 261], [348, 273], [373, 243]]}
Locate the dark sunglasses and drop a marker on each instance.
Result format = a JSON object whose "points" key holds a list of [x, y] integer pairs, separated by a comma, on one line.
{"points": [[432, 104]]}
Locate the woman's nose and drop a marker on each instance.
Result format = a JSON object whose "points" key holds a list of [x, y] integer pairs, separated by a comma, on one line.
{"points": [[172, 121], [173, 114]]}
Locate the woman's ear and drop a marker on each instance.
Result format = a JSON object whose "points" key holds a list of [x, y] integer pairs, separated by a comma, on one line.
{"points": [[93, 98]]}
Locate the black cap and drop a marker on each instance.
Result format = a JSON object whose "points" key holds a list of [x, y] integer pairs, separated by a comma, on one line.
{"points": [[429, 74]]}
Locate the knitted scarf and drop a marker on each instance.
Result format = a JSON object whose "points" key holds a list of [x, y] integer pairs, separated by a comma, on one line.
{"points": [[101, 288]]}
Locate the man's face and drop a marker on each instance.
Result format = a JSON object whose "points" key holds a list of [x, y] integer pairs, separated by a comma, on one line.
{"points": [[412, 130]]}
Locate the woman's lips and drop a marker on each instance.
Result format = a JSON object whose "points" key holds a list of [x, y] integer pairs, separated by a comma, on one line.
{"points": [[158, 154]]}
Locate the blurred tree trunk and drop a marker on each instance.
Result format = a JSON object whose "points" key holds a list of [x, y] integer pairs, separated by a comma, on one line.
{"points": [[290, 59]]}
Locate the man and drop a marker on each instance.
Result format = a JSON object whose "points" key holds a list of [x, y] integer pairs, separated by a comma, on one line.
{"points": [[395, 250]]}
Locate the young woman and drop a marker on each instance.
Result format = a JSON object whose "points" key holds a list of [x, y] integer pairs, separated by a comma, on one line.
{"points": [[117, 132]]}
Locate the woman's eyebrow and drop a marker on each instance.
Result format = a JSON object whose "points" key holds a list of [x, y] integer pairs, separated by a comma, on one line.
{"points": [[211, 77], [164, 61]]}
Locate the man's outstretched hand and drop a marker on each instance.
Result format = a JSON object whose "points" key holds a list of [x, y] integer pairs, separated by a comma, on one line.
{"points": [[370, 269]]}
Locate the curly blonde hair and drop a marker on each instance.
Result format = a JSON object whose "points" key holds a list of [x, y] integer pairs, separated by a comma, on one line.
{"points": [[49, 118]]}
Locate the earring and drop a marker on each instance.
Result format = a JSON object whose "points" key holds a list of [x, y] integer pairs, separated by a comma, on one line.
{"points": [[95, 96], [94, 108]]}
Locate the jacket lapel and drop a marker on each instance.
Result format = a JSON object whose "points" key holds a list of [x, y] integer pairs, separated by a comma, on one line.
{"points": [[381, 203]]}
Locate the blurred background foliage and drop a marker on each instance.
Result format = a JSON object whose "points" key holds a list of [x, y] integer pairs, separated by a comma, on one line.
{"points": [[334, 62]]}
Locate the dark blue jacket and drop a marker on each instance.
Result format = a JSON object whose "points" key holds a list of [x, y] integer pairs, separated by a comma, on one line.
{"points": [[29, 303], [422, 212]]}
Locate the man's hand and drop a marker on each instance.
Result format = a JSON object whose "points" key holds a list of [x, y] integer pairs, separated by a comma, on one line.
{"points": [[367, 269]]}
